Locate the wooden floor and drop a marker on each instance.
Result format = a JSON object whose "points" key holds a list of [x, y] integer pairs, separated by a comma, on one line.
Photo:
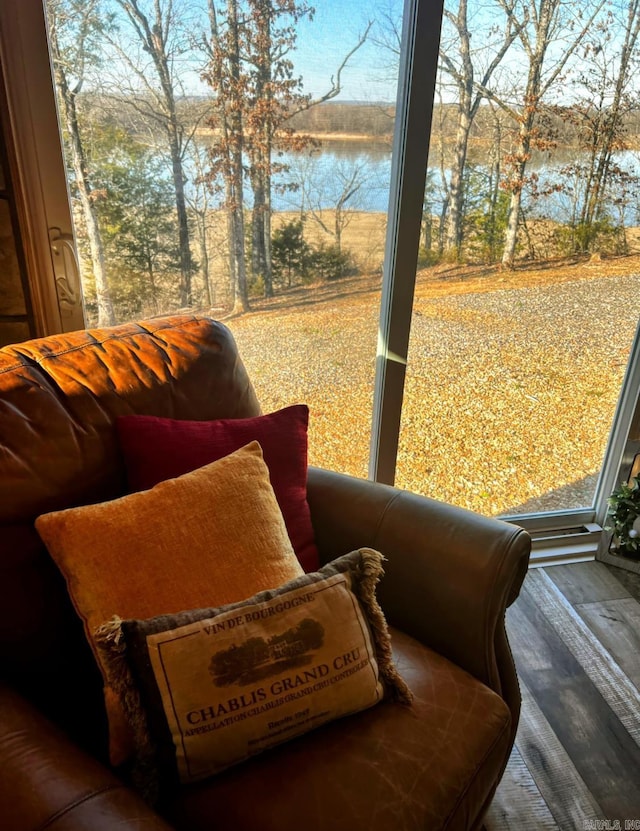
{"points": [[575, 635]]}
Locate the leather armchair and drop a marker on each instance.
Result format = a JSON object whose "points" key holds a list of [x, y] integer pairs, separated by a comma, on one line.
{"points": [[449, 577]]}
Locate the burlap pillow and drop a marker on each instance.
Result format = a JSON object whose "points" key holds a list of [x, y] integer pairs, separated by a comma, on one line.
{"points": [[209, 537], [205, 689]]}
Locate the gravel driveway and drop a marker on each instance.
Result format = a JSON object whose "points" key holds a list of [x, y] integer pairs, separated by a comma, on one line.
{"points": [[509, 397]]}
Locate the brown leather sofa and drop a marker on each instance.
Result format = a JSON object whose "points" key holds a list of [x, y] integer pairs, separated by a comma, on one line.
{"points": [[449, 577]]}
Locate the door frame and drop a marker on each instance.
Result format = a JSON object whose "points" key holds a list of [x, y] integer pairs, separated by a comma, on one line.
{"points": [[38, 171]]}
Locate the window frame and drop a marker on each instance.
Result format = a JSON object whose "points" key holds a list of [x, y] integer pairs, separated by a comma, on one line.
{"points": [[412, 134], [44, 211]]}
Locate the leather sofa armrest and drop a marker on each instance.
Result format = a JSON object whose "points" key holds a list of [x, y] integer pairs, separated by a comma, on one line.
{"points": [[449, 575], [47, 782]]}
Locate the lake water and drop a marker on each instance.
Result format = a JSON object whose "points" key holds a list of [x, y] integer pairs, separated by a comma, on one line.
{"points": [[320, 178]]}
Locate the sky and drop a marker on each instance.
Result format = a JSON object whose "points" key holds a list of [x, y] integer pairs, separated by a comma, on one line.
{"points": [[322, 45], [324, 42]]}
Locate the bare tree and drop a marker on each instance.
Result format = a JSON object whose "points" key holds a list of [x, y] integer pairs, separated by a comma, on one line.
{"points": [[155, 25], [72, 24], [470, 79], [349, 181], [601, 117], [539, 24], [225, 76]]}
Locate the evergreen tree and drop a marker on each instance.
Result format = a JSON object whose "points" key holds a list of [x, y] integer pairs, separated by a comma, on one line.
{"points": [[138, 223]]}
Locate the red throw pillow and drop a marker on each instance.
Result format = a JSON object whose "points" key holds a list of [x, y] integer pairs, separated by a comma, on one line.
{"points": [[162, 448]]}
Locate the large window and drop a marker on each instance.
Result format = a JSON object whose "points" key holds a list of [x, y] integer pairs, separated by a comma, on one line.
{"points": [[527, 299], [419, 219]]}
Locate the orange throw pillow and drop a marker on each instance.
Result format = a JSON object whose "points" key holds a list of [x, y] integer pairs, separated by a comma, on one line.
{"points": [[207, 538]]}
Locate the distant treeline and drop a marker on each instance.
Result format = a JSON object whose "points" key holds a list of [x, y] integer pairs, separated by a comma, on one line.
{"points": [[369, 120], [377, 120], [355, 118]]}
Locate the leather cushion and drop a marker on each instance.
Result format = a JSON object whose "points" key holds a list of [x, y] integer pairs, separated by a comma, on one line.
{"points": [[48, 783], [161, 448], [431, 766]]}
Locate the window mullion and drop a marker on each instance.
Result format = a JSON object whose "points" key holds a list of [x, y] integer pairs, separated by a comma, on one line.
{"points": [[414, 109]]}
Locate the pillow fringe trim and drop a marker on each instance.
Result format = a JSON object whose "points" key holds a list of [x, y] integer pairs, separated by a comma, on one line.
{"points": [[371, 570], [110, 639]]}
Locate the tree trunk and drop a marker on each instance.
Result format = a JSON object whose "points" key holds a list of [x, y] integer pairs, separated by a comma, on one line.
{"points": [[174, 138], [204, 257], [152, 282], [517, 182], [494, 189], [584, 211], [224, 77], [260, 139], [258, 239], [337, 226], [154, 43], [427, 224], [268, 260], [257, 256], [530, 107], [453, 236], [614, 115], [442, 224], [241, 299], [266, 226], [106, 316], [186, 263], [511, 233]]}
